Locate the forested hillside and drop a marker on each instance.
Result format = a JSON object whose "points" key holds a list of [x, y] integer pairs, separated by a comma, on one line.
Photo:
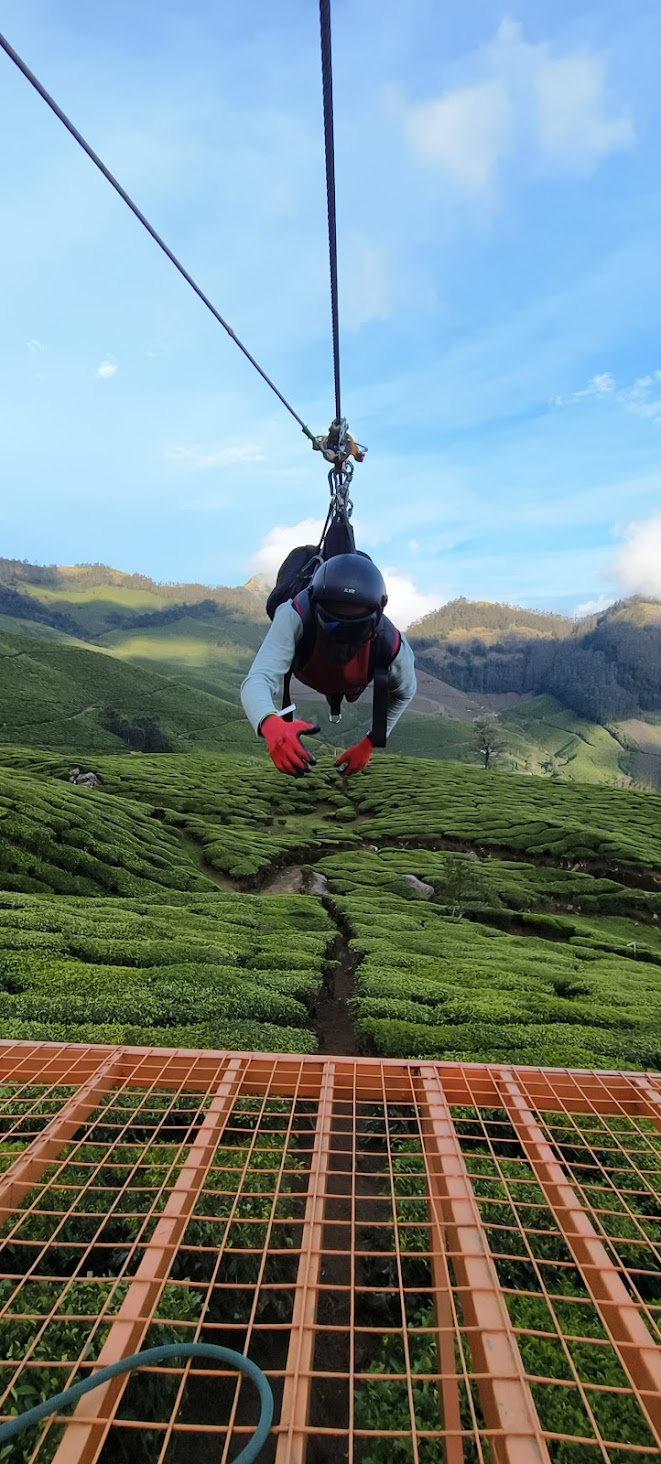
{"points": [[604, 668], [486, 621], [92, 601], [559, 688]]}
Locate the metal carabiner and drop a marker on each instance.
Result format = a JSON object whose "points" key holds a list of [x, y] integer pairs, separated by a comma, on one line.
{"points": [[339, 482]]}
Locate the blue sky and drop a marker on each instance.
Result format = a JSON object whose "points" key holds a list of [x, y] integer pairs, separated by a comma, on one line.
{"points": [[499, 215]]}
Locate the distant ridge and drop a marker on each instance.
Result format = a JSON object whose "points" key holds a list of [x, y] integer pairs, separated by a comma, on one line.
{"points": [[604, 667], [575, 698]]}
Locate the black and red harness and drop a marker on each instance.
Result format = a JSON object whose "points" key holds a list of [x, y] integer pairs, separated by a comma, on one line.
{"points": [[371, 663]]}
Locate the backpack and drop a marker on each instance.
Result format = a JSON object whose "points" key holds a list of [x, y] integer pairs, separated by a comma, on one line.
{"points": [[297, 569], [294, 575]]}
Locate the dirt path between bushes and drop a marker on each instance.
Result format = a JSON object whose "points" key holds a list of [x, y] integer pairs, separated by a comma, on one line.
{"points": [[332, 1016]]}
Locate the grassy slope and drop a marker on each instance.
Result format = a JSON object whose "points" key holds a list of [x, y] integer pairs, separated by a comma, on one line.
{"points": [[96, 607], [114, 933], [55, 694], [167, 959], [55, 691], [537, 736], [14, 625], [540, 735], [211, 652], [208, 652]]}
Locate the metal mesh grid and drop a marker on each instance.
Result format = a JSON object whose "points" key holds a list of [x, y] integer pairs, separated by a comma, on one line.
{"points": [[430, 1262]]}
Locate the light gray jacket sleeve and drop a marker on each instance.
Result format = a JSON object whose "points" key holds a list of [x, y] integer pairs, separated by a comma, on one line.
{"points": [[270, 666], [402, 684], [263, 684]]}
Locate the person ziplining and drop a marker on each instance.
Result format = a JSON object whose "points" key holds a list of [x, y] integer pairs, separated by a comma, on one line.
{"points": [[329, 631], [327, 608], [334, 638], [328, 626]]}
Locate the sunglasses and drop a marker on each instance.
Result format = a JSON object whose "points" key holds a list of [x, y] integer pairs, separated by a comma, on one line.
{"points": [[352, 630]]}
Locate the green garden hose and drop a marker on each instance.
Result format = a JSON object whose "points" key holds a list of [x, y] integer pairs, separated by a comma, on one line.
{"points": [[141, 1359]]}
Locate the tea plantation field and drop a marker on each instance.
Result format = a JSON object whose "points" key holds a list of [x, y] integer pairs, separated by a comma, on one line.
{"points": [[63, 695], [139, 911], [473, 976], [425, 801], [219, 970]]}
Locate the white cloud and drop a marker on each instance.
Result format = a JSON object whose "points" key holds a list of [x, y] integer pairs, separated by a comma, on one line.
{"points": [[467, 132], [602, 385], [406, 602], [34, 345], [221, 457], [642, 397], [106, 369], [574, 128], [526, 101], [593, 607], [278, 542], [638, 564]]}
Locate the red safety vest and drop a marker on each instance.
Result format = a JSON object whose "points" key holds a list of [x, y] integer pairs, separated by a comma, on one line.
{"points": [[323, 674]]}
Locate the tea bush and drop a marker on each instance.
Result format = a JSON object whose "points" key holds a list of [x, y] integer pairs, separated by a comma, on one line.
{"points": [[84, 1223], [57, 838], [446, 981], [511, 960], [574, 1373], [201, 973], [563, 820]]}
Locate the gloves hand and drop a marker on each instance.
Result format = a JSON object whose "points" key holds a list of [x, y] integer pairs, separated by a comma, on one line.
{"points": [[285, 747], [355, 758]]}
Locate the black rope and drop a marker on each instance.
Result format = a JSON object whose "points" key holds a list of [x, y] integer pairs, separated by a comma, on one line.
{"points": [[29, 75], [327, 78]]}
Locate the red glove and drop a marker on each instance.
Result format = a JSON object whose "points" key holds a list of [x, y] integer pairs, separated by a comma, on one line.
{"points": [[285, 747], [355, 758]]}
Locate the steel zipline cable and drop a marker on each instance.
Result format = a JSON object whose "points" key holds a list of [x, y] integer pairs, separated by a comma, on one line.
{"points": [[98, 162], [338, 446], [329, 143]]}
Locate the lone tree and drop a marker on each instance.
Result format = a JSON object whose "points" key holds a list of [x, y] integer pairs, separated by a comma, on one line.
{"points": [[143, 734], [487, 738], [460, 885]]}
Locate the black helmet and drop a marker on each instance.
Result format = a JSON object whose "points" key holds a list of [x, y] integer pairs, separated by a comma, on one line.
{"points": [[342, 582]]}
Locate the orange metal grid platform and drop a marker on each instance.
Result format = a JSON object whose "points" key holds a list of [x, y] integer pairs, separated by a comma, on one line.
{"points": [[429, 1261]]}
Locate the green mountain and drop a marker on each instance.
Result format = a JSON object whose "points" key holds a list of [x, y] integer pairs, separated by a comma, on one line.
{"points": [[191, 632], [108, 651], [604, 668], [93, 602], [488, 621], [57, 695]]}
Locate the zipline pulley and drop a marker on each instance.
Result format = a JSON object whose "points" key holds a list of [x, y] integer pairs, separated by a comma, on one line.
{"points": [[339, 447]]}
